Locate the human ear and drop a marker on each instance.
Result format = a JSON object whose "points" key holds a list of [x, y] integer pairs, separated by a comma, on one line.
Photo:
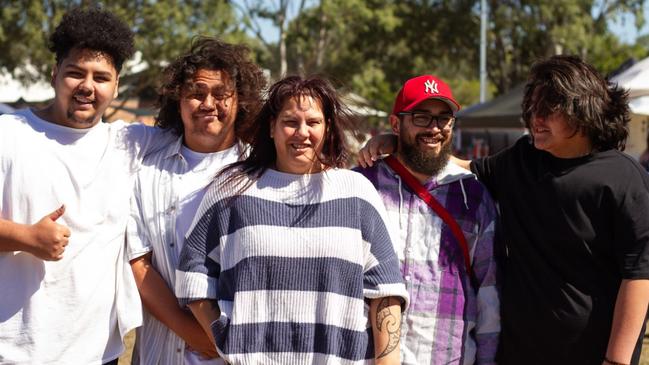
{"points": [[395, 123], [116, 88], [55, 71]]}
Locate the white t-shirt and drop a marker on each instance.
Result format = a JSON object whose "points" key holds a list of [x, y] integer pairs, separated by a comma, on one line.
{"points": [[203, 168], [76, 310], [167, 193]]}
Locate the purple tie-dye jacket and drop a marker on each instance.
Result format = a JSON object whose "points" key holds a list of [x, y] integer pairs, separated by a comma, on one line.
{"points": [[449, 321]]}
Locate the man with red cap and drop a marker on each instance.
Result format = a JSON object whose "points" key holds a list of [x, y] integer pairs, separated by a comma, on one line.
{"points": [[446, 220]]}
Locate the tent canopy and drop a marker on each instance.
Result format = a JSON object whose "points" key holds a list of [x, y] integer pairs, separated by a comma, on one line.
{"points": [[635, 79], [501, 112], [640, 105]]}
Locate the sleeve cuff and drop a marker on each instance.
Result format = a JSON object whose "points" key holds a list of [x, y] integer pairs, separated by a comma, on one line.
{"points": [[192, 286]]}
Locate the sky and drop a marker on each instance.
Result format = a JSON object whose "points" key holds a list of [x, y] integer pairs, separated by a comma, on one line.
{"points": [[625, 29]]}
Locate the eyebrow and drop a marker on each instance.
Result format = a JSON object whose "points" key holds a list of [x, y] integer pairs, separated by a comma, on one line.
{"points": [[99, 73]]}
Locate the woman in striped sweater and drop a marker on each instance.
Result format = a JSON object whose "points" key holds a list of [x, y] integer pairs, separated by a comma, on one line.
{"points": [[290, 258]]}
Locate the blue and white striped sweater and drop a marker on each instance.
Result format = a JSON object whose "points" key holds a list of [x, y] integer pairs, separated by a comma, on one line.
{"points": [[291, 262]]}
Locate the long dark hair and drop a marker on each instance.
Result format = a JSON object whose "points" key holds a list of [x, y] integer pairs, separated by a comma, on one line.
{"points": [[263, 155], [211, 54], [591, 105]]}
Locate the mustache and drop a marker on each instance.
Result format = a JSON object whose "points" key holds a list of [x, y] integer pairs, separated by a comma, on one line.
{"points": [[436, 136], [83, 96], [219, 116], [425, 134]]}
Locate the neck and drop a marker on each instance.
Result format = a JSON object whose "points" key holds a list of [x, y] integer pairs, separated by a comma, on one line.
{"points": [[52, 114], [208, 144], [580, 148]]}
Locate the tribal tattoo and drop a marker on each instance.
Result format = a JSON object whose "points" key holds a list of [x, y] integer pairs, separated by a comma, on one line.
{"points": [[385, 319]]}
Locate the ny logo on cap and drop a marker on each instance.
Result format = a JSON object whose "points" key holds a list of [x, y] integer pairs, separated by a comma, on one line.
{"points": [[431, 87]]}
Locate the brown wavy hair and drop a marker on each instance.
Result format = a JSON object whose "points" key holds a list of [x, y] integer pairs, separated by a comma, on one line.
{"points": [[208, 53], [591, 104], [263, 155]]}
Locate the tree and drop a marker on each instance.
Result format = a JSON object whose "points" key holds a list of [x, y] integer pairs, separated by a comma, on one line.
{"points": [[373, 46], [253, 12], [523, 31], [368, 46], [163, 30]]}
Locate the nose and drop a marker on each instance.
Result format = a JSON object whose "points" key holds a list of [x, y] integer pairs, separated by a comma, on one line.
{"points": [[86, 85], [302, 130], [209, 103]]}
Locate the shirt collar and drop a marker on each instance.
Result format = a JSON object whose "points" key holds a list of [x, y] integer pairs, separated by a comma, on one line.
{"points": [[173, 149]]}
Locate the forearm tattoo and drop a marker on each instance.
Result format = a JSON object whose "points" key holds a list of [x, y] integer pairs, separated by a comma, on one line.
{"points": [[385, 319]]}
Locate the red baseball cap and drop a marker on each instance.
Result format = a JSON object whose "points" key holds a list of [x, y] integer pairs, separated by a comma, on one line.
{"points": [[421, 88]]}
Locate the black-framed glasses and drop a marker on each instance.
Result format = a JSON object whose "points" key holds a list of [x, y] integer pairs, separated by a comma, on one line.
{"points": [[421, 119]]}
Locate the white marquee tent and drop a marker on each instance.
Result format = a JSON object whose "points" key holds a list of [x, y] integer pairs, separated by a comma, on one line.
{"points": [[636, 80], [11, 90]]}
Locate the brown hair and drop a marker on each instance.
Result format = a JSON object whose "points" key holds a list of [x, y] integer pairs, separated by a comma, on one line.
{"points": [[211, 54], [592, 105], [263, 154]]}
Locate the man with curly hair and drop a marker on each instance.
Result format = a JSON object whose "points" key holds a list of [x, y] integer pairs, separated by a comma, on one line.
{"points": [[69, 296], [207, 96]]}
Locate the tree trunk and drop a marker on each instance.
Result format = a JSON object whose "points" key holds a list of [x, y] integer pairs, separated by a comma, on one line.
{"points": [[322, 36]]}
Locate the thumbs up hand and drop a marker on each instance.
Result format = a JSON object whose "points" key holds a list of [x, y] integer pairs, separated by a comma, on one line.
{"points": [[48, 238]]}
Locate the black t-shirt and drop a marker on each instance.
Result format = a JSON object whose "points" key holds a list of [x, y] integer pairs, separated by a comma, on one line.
{"points": [[573, 229]]}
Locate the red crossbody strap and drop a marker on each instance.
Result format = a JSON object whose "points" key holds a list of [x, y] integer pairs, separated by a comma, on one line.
{"points": [[419, 189]]}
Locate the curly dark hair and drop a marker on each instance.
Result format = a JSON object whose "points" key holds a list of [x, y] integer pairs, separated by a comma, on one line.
{"points": [[95, 29], [208, 53], [591, 104], [262, 156]]}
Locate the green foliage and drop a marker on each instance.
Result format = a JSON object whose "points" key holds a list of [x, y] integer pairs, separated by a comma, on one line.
{"points": [[163, 30], [521, 32], [368, 46]]}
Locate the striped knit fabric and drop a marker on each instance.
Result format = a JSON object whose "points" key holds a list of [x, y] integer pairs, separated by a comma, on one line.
{"points": [[291, 263], [449, 321]]}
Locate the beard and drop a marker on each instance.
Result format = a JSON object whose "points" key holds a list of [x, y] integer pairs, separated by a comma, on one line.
{"points": [[424, 162]]}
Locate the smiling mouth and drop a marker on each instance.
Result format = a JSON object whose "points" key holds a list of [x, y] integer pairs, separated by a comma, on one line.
{"points": [[300, 146], [429, 140], [83, 99], [208, 116], [540, 130]]}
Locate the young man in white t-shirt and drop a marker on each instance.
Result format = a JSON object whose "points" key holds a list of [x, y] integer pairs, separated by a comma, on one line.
{"points": [[207, 96], [68, 293]]}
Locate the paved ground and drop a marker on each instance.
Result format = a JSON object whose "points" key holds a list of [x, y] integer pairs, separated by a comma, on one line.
{"points": [[126, 357]]}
